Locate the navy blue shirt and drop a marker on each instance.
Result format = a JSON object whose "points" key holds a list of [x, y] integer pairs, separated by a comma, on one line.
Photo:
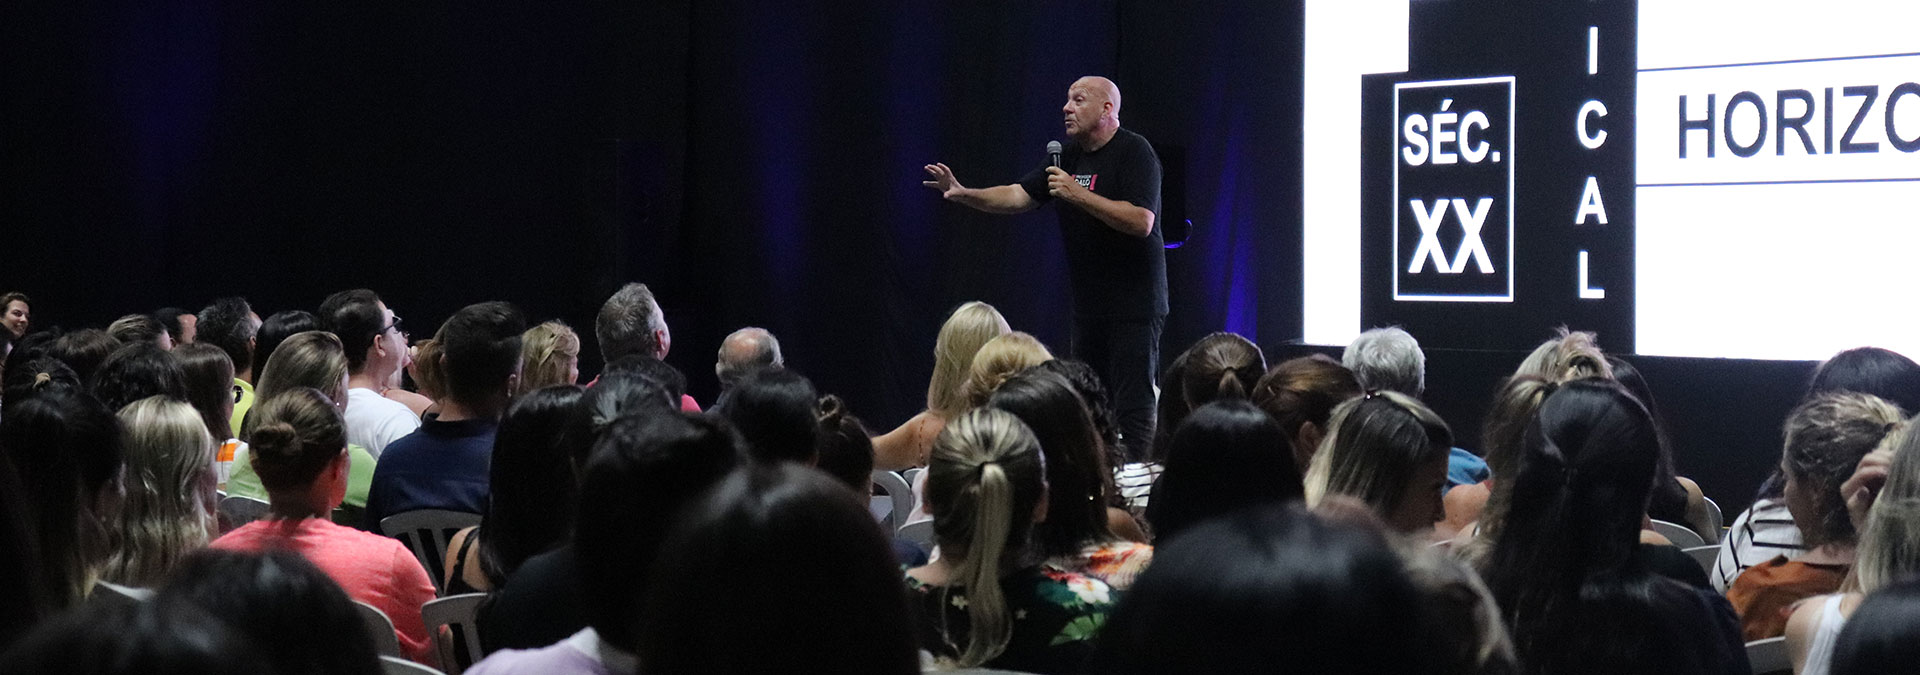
{"points": [[443, 465]]}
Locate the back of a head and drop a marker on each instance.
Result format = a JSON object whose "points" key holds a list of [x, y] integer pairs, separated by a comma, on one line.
{"points": [[275, 331], [1567, 356], [106, 638], [294, 435], [984, 481], [1870, 370], [626, 324], [774, 411], [1890, 539], [425, 370], [134, 328], [745, 352], [170, 484], [136, 371], [27, 378], [1826, 435], [209, 379], [1226, 456], [788, 556], [1171, 411], [1303, 391], [1268, 588], [228, 324], [1377, 450], [1221, 365], [1078, 479], [661, 372], [1503, 434], [614, 396], [644, 469], [1882, 637], [533, 494], [844, 449], [83, 350], [1086, 383], [549, 355], [999, 359], [312, 359], [169, 318], [282, 604], [353, 316], [1387, 359], [480, 351], [67, 449], [970, 327]]}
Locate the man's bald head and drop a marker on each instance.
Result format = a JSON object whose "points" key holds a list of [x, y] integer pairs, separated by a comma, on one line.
{"points": [[744, 352], [1092, 112], [1107, 90]]}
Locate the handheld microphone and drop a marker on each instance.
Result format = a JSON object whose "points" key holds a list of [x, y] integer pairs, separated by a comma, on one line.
{"points": [[1053, 152]]}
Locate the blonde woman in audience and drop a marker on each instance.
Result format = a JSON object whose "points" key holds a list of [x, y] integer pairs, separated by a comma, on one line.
{"points": [[1389, 450], [298, 444], [169, 510], [313, 359], [984, 603], [1889, 551], [999, 360], [968, 328], [549, 355], [1473, 512]]}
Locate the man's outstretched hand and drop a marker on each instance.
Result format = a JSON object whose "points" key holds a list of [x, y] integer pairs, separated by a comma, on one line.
{"points": [[942, 180]]}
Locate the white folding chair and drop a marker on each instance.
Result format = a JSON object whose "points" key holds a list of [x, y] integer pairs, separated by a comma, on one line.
{"points": [[425, 532], [1715, 516], [899, 493], [459, 645], [397, 666], [1769, 657], [1681, 535], [236, 511], [911, 474], [920, 533], [381, 628], [1706, 556]]}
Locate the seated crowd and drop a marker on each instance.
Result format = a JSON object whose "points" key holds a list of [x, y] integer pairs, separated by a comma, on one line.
{"points": [[1312, 515]]}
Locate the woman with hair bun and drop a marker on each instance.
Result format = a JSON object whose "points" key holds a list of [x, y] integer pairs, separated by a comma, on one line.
{"points": [[984, 603], [298, 448]]}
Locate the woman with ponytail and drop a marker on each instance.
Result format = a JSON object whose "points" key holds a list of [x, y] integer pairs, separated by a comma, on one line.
{"points": [[1567, 566], [1388, 450], [169, 509], [298, 448], [984, 603]]}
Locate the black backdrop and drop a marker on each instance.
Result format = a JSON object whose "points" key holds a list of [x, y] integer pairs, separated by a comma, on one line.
{"points": [[756, 162]]}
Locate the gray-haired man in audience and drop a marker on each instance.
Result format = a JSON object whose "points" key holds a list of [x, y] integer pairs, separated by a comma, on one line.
{"points": [[745, 352], [1390, 359]]}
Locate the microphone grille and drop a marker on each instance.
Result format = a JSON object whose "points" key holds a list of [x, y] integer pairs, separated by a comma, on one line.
{"points": [[1053, 147]]}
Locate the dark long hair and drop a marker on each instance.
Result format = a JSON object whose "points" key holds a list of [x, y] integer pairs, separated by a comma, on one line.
{"points": [[775, 412], [285, 606], [1227, 456], [67, 450], [533, 491], [1669, 499], [136, 371], [1078, 480]]}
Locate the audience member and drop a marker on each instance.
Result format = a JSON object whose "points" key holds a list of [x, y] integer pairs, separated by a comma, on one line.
{"points": [[136, 371], [745, 352], [84, 350], [67, 451], [531, 495], [1474, 512], [1225, 457], [26, 378], [1301, 394], [1388, 359], [775, 412], [549, 356], [299, 450], [1676, 499], [180, 325], [1080, 534], [1209, 358], [827, 591], [648, 466], [169, 510], [843, 449], [424, 368], [1567, 558], [209, 378], [1459, 616], [136, 639], [310, 360], [1000, 359], [1565, 357], [231, 325], [982, 603], [376, 349], [1883, 637], [632, 324], [134, 328], [1826, 437], [276, 329], [23, 598], [1388, 450], [444, 464], [287, 608], [1269, 589], [16, 315], [659, 371], [969, 327]]}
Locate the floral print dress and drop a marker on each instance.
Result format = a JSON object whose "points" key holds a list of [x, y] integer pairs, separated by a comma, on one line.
{"points": [[1056, 616]]}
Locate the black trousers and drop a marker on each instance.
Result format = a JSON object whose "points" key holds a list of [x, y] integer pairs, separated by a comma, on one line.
{"points": [[1126, 354]]}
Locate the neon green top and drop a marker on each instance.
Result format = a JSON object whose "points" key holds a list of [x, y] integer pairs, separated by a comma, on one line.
{"points": [[245, 483]]}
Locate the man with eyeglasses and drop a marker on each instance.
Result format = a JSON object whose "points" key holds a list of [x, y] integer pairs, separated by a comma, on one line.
{"points": [[376, 347]]}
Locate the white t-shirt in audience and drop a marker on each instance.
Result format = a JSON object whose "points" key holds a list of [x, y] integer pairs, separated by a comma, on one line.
{"points": [[373, 420]]}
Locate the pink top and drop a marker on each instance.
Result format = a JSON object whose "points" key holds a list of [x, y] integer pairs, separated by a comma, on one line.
{"points": [[376, 570]]}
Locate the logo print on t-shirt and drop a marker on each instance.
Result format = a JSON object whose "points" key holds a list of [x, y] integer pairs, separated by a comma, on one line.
{"points": [[1086, 180]]}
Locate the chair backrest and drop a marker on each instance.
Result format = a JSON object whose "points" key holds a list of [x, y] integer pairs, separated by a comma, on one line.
{"points": [[1715, 516], [380, 627], [919, 532], [899, 493], [117, 595], [425, 532], [236, 511], [1681, 535], [911, 474], [459, 645], [1769, 657], [397, 666], [1706, 556]]}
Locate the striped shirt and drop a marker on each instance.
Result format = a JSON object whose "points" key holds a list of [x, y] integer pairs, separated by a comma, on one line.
{"points": [[1135, 481], [1760, 533]]}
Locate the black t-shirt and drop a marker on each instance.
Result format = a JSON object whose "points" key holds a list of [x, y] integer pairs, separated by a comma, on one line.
{"points": [[1113, 274]]}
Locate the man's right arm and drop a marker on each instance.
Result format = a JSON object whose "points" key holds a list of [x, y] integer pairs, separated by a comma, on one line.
{"points": [[997, 199]]}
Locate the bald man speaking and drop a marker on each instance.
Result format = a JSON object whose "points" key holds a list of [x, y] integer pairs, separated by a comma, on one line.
{"points": [[1108, 190]]}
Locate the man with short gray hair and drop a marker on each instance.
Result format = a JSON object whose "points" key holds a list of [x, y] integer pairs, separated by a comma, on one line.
{"points": [[745, 352], [1391, 360], [631, 323]]}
